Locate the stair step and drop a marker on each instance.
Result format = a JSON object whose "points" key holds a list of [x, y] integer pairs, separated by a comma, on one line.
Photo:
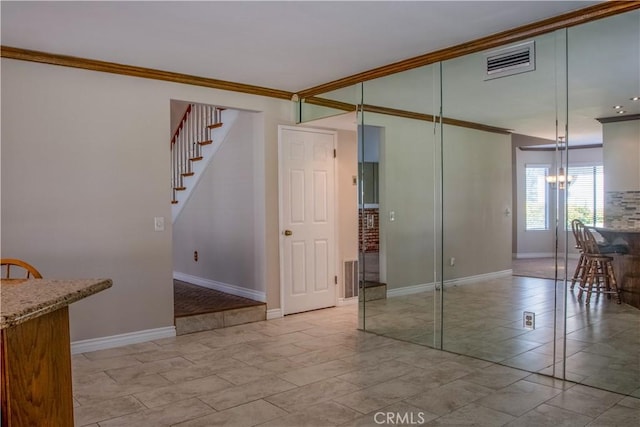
{"points": [[206, 142], [174, 202], [215, 125], [196, 159], [180, 188], [188, 174]]}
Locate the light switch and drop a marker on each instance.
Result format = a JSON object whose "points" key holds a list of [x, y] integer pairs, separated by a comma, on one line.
{"points": [[158, 223], [392, 215]]}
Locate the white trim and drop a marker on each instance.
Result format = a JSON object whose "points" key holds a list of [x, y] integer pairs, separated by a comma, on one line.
{"points": [[525, 255], [347, 301], [415, 289], [222, 287], [408, 290], [112, 341], [274, 313], [528, 255], [478, 277]]}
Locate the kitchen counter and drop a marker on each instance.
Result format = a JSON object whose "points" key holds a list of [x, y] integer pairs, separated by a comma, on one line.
{"points": [[626, 267], [35, 349], [25, 299]]}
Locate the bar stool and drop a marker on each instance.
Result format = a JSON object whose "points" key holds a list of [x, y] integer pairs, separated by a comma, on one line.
{"points": [[581, 269], [599, 276]]}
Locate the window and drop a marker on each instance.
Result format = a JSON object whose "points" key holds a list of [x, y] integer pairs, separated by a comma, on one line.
{"points": [[536, 210], [585, 197]]}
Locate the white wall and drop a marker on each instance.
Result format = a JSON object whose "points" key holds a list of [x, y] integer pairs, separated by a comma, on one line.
{"points": [[85, 168], [218, 219], [621, 155]]}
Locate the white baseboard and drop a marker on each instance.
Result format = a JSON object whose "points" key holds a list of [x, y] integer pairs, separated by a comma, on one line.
{"points": [[531, 255], [222, 287], [415, 289], [408, 290], [274, 313], [525, 255], [112, 341], [478, 278]]}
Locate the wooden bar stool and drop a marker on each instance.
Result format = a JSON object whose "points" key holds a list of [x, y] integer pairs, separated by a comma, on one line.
{"points": [[599, 276], [25, 268], [581, 269]]}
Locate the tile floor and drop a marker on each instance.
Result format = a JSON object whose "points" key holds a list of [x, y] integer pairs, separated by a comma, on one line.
{"points": [[484, 320], [317, 369]]}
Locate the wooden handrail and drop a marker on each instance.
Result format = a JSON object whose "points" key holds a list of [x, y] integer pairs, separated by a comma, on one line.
{"points": [[184, 119]]}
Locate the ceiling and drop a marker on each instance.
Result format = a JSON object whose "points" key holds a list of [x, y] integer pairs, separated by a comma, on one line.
{"points": [[291, 45], [295, 45]]}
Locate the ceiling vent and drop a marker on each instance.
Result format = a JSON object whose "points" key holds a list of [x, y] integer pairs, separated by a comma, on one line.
{"points": [[510, 60]]}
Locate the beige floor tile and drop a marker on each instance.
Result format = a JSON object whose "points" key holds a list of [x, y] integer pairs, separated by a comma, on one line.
{"points": [[249, 414], [131, 373], [518, 398], [248, 392], [496, 376], [473, 415], [321, 415], [449, 397], [243, 374], [175, 392], [586, 400], [201, 369], [618, 416], [88, 414], [166, 415], [375, 374], [297, 399], [550, 416], [98, 391], [396, 414], [321, 371], [380, 395]]}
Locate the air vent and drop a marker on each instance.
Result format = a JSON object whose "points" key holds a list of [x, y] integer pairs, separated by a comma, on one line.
{"points": [[510, 60], [350, 279]]}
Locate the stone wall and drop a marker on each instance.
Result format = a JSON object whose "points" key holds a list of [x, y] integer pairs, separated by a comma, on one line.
{"points": [[622, 209]]}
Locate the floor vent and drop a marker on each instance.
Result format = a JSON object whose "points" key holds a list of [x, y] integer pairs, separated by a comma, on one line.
{"points": [[350, 278], [510, 60]]}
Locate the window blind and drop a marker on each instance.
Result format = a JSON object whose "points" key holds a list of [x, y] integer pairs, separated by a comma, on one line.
{"points": [[536, 211]]}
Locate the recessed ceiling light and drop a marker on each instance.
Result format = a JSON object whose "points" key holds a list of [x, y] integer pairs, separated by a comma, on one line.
{"points": [[617, 107], [635, 98], [621, 111]]}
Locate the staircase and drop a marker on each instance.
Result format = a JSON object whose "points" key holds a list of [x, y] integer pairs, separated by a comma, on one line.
{"points": [[193, 144]]}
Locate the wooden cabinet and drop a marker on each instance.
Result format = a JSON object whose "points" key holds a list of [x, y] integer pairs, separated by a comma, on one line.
{"points": [[36, 372]]}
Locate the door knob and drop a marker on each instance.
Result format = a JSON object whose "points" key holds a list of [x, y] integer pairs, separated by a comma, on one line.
{"points": [[288, 232]]}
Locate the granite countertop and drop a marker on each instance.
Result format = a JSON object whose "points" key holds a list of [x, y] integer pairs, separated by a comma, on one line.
{"points": [[25, 299]]}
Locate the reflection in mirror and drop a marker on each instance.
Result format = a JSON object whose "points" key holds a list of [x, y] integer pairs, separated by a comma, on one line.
{"points": [[398, 112]]}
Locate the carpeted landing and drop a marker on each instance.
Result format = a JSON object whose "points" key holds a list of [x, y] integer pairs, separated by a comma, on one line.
{"points": [[200, 309]]}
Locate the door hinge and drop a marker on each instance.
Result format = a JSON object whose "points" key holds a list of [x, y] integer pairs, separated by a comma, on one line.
{"points": [[335, 154], [335, 279]]}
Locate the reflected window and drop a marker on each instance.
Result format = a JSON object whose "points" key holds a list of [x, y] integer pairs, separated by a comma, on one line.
{"points": [[536, 208], [585, 200]]}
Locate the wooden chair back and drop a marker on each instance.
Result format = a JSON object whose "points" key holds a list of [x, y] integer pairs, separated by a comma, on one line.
{"points": [[578, 228], [27, 269]]}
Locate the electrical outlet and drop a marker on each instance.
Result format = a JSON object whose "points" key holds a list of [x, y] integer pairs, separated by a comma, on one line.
{"points": [[452, 261], [529, 320], [195, 256]]}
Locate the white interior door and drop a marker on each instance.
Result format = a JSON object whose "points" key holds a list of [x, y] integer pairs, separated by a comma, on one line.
{"points": [[307, 218]]}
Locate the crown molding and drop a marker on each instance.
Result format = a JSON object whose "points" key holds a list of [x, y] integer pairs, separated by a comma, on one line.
{"points": [[345, 106], [130, 70], [577, 17]]}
